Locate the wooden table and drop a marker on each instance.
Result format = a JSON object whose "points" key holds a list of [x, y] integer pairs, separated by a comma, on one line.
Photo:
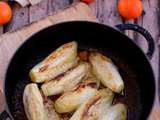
{"points": [[106, 12]]}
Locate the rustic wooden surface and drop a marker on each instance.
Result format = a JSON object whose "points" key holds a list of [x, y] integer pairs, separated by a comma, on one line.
{"points": [[106, 13]]}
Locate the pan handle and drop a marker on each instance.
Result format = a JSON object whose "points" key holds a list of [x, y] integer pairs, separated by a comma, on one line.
{"points": [[144, 32], [5, 116]]}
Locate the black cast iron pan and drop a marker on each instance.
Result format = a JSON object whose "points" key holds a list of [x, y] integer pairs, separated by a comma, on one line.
{"points": [[133, 64]]}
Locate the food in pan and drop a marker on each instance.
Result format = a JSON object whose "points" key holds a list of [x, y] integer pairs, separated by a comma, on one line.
{"points": [[106, 72], [72, 85], [33, 103], [55, 64], [115, 112], [66, 82], [95, 107], [50, 112], [35, 107], [70, 101]]}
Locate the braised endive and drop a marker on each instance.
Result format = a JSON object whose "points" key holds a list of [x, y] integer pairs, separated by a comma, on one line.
{"points": [[95, 107], [66, 82], [55, 64], [116, 112], [106, 72], [35, 107], [76, 87], [70, 101], [33, 103]]}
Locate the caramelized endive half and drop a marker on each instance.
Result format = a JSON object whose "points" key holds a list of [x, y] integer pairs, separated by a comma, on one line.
{"points": [[55, 64], [66, 82], [36, 108], [106, 72], [116, 112], [71, 100], [95, 107], [33, 103]]}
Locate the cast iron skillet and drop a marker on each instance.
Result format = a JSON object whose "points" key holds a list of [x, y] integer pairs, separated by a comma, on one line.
{"points": [[133, 64]]}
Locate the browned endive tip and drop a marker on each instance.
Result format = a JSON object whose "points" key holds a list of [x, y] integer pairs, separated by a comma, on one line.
{"points": [[35, 106], [58, 62], [70, 101], [106, 72], [66, 82], [94, 107]]}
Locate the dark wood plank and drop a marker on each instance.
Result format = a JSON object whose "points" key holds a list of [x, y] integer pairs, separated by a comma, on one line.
{"points": [[19, 19], [38, 11], [54, 5], [155, 65], [150, 19], [106, 12]]}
